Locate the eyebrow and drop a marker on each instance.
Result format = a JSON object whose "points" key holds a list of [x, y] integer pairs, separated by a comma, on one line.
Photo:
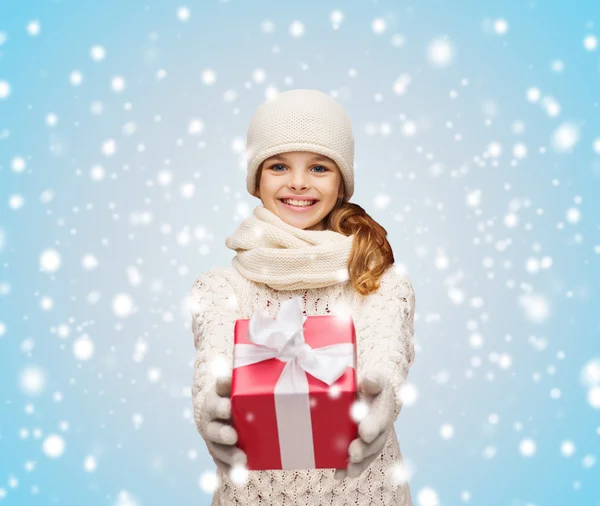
{"points": [[316, 157]]}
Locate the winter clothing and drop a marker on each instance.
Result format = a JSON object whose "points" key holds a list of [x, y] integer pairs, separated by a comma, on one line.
{"points": [[285, 257], [301, 120], [383, 323], [220, 437], [372, 430]]}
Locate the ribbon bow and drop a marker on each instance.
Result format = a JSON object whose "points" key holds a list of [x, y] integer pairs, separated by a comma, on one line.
{"points": [[283, 338]]}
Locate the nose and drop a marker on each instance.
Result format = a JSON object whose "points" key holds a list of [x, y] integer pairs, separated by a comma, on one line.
{"points": [[298, 180]]}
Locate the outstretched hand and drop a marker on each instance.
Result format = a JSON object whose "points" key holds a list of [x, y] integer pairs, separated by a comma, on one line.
{"points": [[373, 429], [221, 437]]}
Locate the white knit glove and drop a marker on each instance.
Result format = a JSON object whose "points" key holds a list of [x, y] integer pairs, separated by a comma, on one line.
{"points": [[219, 434], [373, 429]]}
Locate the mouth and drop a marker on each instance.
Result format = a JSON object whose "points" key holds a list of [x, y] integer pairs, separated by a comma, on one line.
{"points": [[298, 207]]}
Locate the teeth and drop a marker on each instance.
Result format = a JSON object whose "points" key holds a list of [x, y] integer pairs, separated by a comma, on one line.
{"points": [[299, 203]]}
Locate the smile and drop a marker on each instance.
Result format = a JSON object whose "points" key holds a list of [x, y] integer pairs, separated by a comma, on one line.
{"points": [[297, 206]]}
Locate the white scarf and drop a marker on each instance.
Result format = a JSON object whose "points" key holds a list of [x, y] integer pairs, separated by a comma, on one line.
{"points": [[285, 257]]}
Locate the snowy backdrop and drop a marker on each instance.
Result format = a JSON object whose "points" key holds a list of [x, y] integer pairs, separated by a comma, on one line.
{"points": [[122, 171]]}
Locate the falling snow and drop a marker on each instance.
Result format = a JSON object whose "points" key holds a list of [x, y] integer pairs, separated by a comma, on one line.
{"points": [[122, 171]]}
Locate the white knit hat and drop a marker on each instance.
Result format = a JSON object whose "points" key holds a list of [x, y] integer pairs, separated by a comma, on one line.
{"points": [[301, 120]]}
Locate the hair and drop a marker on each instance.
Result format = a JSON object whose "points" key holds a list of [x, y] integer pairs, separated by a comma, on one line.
{"points": [[371, 252]]}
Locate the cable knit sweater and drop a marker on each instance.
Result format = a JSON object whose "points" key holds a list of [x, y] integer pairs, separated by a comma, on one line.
{"points": [[384, 337]]}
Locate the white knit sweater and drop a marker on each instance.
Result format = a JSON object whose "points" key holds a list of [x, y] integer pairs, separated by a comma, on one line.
{"points": [[384, 336]]}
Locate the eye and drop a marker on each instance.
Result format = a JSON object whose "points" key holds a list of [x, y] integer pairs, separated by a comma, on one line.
{"points": [[325, 169]]}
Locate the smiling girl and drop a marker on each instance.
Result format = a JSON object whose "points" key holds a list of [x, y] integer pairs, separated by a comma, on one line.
{"points": [[306, 239]]}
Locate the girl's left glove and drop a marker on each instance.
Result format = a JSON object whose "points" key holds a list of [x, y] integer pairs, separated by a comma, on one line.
{"points": [[377, 390]]}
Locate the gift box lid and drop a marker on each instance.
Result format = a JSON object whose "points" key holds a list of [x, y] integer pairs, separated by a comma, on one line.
{"points": [[318, 331]]}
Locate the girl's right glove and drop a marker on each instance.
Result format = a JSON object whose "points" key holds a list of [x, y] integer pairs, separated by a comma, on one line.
{"points": [[219, 434]]}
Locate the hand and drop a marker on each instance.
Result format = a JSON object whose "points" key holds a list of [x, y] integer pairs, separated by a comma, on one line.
{"points": [[220, 435], [373, 429]]}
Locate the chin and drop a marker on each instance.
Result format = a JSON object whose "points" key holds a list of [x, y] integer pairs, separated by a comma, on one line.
{"points": [[299, 222]]}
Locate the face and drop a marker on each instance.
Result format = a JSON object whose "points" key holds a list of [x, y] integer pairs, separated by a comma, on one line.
{"points": [[304, 175]]}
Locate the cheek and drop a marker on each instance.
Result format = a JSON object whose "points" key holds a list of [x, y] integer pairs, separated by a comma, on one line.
{"points": [[268, 190]]}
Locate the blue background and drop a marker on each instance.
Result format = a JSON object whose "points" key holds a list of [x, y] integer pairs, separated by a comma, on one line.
{"points": [[539, 328]]}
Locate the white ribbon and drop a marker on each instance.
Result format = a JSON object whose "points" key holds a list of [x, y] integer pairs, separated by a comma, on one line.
{"points": [[283, 338]]}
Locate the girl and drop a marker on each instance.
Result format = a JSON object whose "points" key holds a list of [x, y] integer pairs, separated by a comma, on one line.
{"points": [[306, 239]]}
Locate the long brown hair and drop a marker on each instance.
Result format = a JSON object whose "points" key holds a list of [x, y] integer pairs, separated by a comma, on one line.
{"points": [[371, 252]]}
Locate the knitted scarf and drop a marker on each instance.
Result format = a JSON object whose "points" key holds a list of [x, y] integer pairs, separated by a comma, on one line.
{"points": [[285, 257]]}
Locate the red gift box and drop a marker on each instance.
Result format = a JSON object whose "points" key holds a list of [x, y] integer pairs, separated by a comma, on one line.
{"points": [[293, 386]]}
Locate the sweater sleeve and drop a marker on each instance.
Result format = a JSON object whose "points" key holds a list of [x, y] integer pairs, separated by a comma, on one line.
{"points": [[385, 330], [214, 309]]}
